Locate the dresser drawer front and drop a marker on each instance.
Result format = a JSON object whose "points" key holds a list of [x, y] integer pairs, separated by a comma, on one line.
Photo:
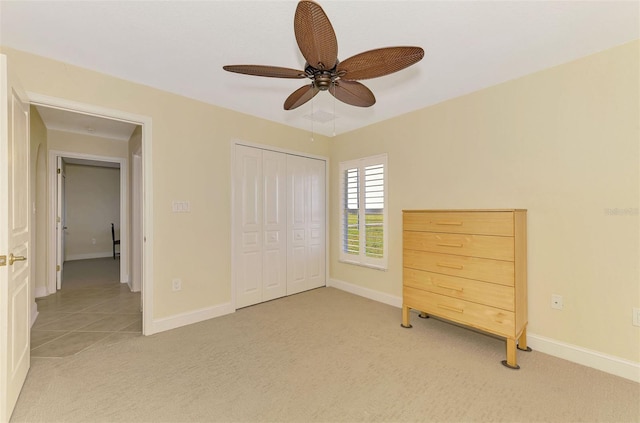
{"points": [[491, 294], [482, 223], [490, 319], [493, 247], [488, 270]]}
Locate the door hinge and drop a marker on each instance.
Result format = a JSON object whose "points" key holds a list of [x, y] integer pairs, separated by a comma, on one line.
{"points": [[3, 261], [59, 171], [57, 267], [58, 219]]}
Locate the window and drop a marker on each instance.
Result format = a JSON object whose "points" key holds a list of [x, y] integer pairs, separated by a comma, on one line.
{"points": [[364, 211]]}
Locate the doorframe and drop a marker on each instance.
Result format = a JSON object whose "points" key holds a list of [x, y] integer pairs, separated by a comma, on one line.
{"points": [[136, 221], [236, 142], [145, 122], [52, 215]]}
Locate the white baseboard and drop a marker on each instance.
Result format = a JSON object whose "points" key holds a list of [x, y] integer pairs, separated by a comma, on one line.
{"points": [[590, 358], [371, 294], [594, 359], [40, 291], [34, 313], [85, 256], [184, 319]]}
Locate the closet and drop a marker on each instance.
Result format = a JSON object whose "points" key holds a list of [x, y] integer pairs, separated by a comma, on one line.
{"points": [[279, 224]]}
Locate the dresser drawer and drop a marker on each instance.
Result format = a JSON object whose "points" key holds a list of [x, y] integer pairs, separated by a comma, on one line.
{"points": [[491, 294], [488, 270], [494, 247], [490, 319], [482, 223]]}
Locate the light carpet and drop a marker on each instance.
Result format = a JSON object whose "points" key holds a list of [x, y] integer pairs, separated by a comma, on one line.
{"points": [[320, 356]]}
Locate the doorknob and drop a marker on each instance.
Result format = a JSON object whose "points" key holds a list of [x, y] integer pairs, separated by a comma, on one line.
{"points": [[13, 258]]}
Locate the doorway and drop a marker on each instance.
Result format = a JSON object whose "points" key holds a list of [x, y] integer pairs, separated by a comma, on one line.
{"points": [[99, 182], [129, 243]]}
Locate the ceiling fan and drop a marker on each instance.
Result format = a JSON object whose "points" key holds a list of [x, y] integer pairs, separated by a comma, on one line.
{"points": [[319, 46]]}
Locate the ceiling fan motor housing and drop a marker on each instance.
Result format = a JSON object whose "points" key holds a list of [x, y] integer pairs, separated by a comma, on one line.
{"points": [[322, 79]]}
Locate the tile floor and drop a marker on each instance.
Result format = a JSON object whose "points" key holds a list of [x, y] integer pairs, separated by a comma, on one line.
{"points": [[93, 308]]}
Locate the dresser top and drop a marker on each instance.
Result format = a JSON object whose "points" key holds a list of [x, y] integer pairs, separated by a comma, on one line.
{"points": [[462, 210]]}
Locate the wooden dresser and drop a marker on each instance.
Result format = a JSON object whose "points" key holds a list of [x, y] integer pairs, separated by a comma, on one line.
{"points": [[469, 267]]}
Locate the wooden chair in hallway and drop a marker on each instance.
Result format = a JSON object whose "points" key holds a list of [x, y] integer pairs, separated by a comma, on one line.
{"points": [[115, 241]]}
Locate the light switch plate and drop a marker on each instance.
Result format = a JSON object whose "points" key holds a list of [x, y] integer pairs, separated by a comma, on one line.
{"points": [[181, 207]]}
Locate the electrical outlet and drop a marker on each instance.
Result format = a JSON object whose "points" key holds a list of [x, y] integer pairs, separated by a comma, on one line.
{"points": [[636, 317], [176, 285], [556, 302], [93, 241]]}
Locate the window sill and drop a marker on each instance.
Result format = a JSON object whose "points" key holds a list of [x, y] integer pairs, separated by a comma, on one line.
{"points": [[370, 266]]}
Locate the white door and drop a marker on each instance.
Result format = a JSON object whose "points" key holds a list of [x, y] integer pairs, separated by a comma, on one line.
{"points": [[305, 224], [279, 232], [14, 241], [248, 225], [274, 199], [261, 254], [61, 224]]}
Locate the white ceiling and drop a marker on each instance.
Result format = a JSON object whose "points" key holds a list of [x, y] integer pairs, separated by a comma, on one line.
{"points": [[181, 46]]}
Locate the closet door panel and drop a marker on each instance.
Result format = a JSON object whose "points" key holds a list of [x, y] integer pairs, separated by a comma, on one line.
{"points": [[306, 224], [248, 222], [296, 225], [274, 274], [316, 223]]}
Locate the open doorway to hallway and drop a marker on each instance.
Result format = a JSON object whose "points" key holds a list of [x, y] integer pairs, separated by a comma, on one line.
{"points": [[84, 294]]}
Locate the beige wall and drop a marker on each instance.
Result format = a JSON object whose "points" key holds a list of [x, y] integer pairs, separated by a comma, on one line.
{"points": [[92, 204], [38, 169], [86, 144], [191, 161], [562, 143]]}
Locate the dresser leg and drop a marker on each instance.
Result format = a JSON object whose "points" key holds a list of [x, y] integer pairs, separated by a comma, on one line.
{"points": [[511, 362], [522, 341], [423, 315], [405, 317]]}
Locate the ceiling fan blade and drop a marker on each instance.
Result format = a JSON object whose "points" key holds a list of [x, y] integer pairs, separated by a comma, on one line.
{"points": [[269, 71], [378, 62], [315, 36], [300, 96], [352, 92]]}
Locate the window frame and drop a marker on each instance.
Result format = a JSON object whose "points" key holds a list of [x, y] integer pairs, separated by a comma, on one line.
{"points": [[361, 258]]}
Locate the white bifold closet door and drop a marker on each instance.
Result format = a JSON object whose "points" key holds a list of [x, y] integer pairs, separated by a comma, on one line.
{"points": [[279, 229], [305, 224]]}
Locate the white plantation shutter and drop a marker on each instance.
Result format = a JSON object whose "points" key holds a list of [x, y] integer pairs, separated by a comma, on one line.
{"points": [[374, 210], [364, 211]]}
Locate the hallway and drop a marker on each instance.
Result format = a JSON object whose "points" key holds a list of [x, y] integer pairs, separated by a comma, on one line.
{"points": [[92, 309]]}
